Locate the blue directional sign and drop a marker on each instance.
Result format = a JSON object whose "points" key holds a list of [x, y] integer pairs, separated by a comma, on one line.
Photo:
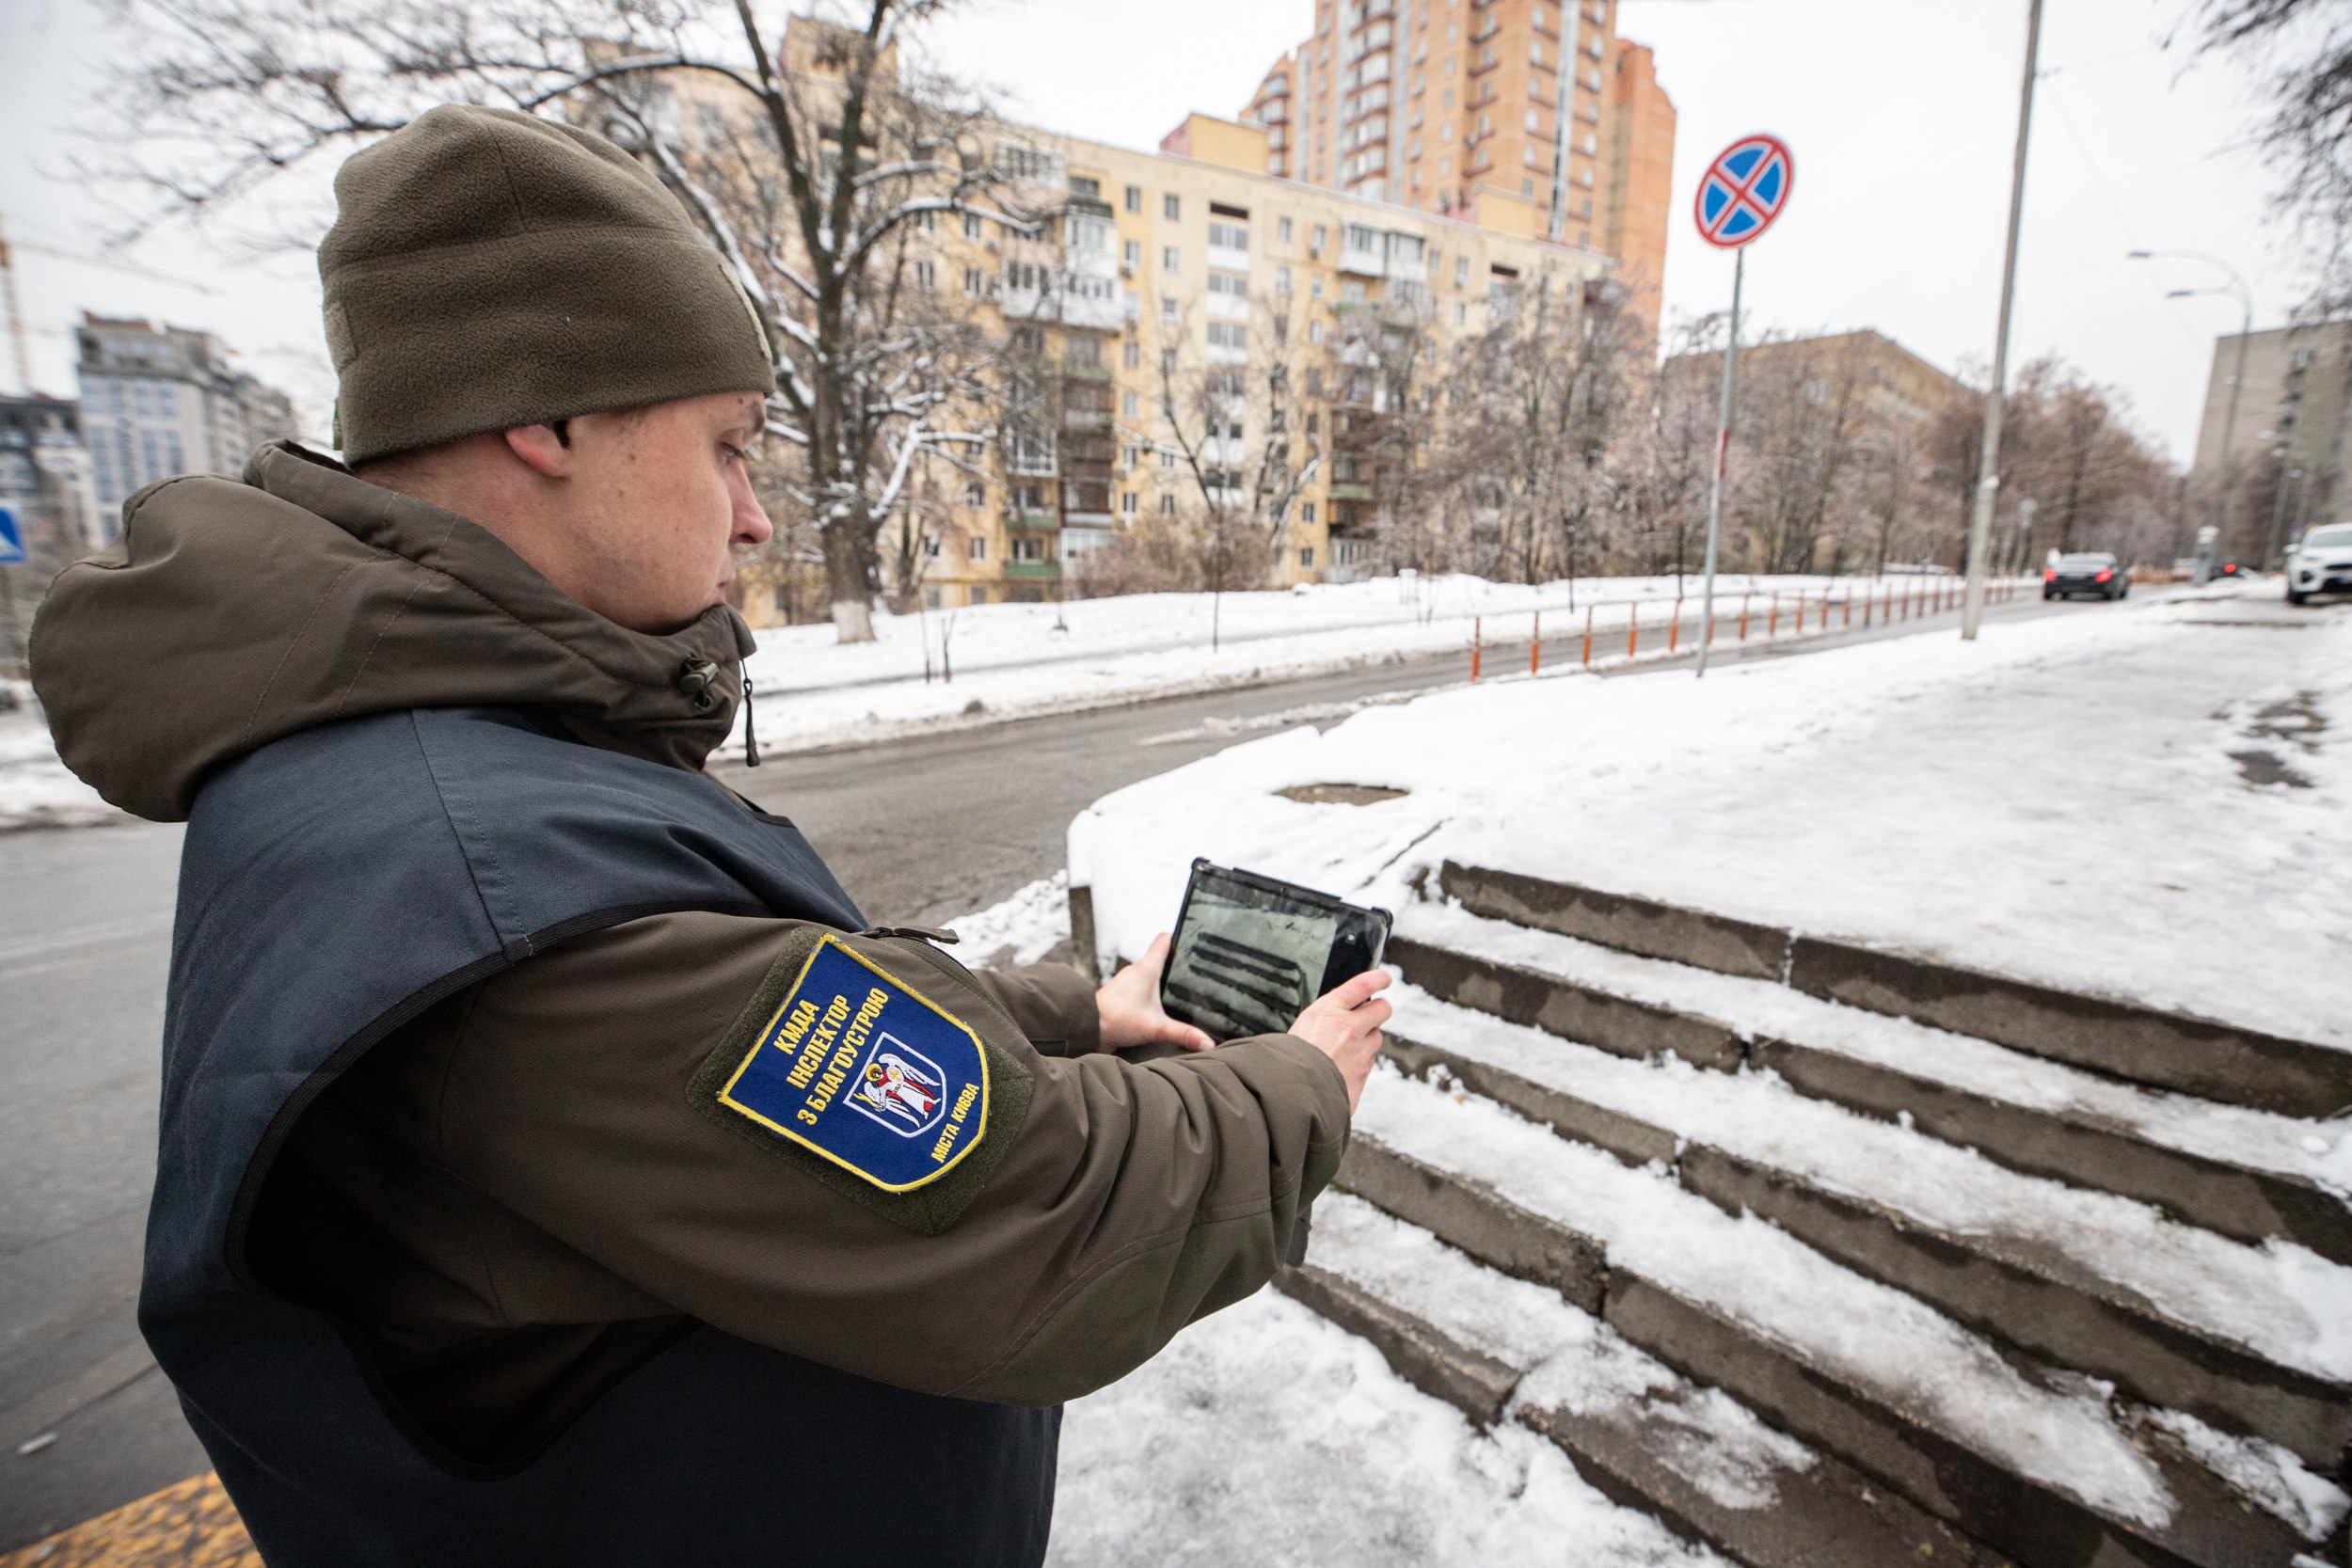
{"points": [[11, 539], [1744, 190]]}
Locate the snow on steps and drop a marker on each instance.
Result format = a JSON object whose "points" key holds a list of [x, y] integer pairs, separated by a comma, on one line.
{"points": [[2039, 1464], [2256, 1340], [2167, 1050], [2247, 1174], [1497, 1348]]}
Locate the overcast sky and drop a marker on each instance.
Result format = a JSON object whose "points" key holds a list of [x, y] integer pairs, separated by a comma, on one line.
{"points": [[1902, 114]]}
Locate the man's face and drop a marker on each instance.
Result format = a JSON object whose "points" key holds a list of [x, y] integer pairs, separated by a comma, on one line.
{"points": [[660, 503]]}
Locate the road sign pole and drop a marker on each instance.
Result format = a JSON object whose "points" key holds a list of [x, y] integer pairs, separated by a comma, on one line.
{"points": [[1723, 452], [1989, 458], [18, 663]]}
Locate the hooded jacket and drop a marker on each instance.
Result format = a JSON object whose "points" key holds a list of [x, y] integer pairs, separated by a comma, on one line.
{"points": [[512, 1204]]}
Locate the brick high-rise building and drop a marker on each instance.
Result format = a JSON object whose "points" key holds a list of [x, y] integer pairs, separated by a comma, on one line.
{"points": [[1444, 105]]}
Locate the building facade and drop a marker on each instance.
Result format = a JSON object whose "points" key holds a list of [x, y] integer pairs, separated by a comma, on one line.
{"points": [[1440, 104], [2284, 461], [45, 480], [1185, 324], [159, 401]]}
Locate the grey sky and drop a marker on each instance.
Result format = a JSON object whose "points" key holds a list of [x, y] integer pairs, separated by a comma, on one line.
{"points": [[1901, 114]]}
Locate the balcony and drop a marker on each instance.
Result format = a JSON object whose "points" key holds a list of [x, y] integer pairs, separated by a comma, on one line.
{"points": [[1351, 490], [1032, 571], [1032, 522]]}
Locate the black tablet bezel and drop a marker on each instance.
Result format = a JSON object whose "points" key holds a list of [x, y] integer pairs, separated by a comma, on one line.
{"points": [[1357, 916]]}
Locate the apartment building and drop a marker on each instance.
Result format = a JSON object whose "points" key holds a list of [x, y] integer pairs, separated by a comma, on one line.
{"points": [[1439, 105], [2286, 454], [45, 479], [159, 401], [1144, 316]]}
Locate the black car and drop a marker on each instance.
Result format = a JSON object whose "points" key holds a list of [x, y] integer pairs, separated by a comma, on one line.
{"points": [[2086, 574]]}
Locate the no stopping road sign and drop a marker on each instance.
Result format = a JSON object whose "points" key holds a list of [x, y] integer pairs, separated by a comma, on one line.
{"points": [[1743, 190]]}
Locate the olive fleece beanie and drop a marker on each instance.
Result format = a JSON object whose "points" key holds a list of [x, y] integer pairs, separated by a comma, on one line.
{"points": [[488, 269]]}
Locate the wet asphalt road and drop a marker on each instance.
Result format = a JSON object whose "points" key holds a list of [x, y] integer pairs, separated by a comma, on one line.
{"points": [[920, 830]]}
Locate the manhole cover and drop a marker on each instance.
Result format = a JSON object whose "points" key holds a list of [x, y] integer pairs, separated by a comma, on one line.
{"points": [[1340, 794]]}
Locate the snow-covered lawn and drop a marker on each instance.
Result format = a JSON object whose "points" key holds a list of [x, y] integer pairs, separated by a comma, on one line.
{"points": [[2151, 801], [1012, 660]]}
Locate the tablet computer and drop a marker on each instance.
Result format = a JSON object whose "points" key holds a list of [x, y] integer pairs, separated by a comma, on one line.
{"points": [[1251, 952]]}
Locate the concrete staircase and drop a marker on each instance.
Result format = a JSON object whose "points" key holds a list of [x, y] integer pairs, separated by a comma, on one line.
{"points": [[1829, 1256]]}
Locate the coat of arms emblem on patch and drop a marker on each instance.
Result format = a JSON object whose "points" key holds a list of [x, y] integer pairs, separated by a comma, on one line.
{"points": [[901, 1087]]}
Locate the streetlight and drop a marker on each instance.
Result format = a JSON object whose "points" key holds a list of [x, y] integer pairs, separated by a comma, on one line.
{"points": [[2245, 333]]}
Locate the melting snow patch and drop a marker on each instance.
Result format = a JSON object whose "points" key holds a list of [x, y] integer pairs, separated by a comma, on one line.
{"points": [[2263, 1471]]}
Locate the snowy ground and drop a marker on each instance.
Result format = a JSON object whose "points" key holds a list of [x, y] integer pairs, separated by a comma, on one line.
{"points": [[2151, 801], [1266, 1436], [1014, 660]]}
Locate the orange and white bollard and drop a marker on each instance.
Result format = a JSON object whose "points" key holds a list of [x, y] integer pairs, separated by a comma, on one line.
{"points": [[1674, 633], [1743, 616], [1535, 646], [1478, 644], [1633, 627], [1588, 636]]}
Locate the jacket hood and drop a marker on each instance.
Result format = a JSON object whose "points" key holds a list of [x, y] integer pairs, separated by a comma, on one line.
{"points": [[231, 615]]}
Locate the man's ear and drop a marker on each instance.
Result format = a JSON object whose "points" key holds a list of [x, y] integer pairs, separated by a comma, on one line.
{"points": [[546, 448]]}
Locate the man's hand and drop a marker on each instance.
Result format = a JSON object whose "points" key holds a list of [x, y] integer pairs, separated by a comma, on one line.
{"points": [[1344, 1024], [1129, 1007]]}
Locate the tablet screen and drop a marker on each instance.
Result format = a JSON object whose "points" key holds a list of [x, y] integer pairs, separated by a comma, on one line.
{"points": [[1251, 952]]}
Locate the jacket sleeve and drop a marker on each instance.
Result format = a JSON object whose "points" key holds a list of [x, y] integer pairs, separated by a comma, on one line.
{"points": [[1053, 1004], [1131, 1199]]}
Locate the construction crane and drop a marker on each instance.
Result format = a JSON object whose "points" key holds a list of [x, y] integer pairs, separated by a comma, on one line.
{"points": [[17, 345]]}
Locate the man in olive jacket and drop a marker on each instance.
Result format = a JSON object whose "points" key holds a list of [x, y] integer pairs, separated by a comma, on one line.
{"points": [[555, 1165]]}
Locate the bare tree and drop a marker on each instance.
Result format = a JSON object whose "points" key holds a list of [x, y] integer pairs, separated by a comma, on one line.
{"points": [[812, 170], [2305, 47], [1669, 454]]}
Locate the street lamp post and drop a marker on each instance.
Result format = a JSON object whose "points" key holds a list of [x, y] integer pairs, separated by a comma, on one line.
{"points": [[2246, 334]]}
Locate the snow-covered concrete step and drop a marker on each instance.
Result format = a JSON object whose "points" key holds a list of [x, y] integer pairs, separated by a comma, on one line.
{"points": [[2167, 1050], [2047, 1466], [2245, 1173], [1497, 1348], [2256, 1340]]}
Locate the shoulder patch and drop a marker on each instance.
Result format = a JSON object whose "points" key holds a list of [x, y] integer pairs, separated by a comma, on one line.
{"points": [[865, 1072]]}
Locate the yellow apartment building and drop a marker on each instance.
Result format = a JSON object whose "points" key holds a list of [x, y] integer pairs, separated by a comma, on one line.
{"points": [[1183, 265], [1439, 105]]}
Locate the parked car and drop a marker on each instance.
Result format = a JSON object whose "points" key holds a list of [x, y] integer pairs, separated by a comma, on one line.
{"points": [[2096, 573], [2322, 563]]}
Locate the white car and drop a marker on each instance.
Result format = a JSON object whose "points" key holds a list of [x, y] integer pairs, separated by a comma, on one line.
{"points": [[2322, 563]]}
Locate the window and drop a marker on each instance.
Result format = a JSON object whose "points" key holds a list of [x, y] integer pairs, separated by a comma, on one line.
{"points": [[1171, 259], [1230, 236], [1130, 254], [976, 594], [1306, 512], [1127, 503], [1282, 230], [975, 281], [1306, 555], [1131, 355], [924, 272], [1028, 546], [1315, 286], [1461, 271], [1130, 456], [1228, 335], [1089, 234], [976, 547], [1168, 457], [1232, 285], [1351, 291], [1315, 389], [1130, 406], [1134, 199], [1322, 236], [971, 226], [1024, 162], [1081, 185], [933, 595], [1314, 421], [1315, 335], [1168, 361], [1281, 280], [1461, 312], [1167, 307], [1082, 350], [1169, 209]]}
